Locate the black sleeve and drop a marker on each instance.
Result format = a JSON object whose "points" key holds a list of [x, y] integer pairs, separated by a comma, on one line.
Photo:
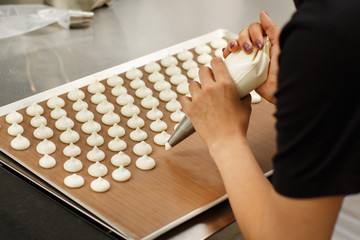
{"points": [[318, 105]]}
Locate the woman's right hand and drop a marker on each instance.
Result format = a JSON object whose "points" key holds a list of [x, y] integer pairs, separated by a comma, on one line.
{"points": [[253, 36]]}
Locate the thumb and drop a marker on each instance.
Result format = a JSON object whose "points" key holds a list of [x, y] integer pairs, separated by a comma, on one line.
{"points": [[270, 28]]}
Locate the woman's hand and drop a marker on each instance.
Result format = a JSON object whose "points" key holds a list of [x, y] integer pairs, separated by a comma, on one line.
{"points": [[253, 36], [215, 109]]}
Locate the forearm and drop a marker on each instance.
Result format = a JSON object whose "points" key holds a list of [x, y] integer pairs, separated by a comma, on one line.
{"points": [[247, 187]]}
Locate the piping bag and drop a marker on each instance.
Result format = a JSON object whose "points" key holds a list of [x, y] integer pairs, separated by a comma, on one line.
{"points": [[248, 71]]}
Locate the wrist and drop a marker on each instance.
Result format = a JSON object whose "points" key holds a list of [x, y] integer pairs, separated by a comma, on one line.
{"points": [[222, 147]]}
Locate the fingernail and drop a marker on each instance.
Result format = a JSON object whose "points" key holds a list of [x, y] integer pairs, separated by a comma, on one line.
{"points": [[223, 49], [246, 47], [258, 44], [231, 44], [266, 13]]}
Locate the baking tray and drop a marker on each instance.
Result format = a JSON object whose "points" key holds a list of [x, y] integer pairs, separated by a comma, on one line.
{"points": [[184, 183]]}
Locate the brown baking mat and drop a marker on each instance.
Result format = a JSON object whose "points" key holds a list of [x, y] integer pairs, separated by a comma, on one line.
{"points": [[184, 180]]}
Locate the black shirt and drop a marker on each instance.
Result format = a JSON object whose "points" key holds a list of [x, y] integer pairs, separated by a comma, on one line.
{"points": [[318, 101]]}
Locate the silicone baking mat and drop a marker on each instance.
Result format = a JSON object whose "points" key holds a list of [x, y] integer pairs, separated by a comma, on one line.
{"points": [[185, 181]]}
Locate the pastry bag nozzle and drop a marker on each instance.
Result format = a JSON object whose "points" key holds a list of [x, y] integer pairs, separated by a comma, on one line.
{"points": [[182, 131]]}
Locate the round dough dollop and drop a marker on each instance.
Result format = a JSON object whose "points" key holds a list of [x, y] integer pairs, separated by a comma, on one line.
{"points": [[137, 83], [47, 161], [104, 107], [124, 99], [15, 129], [145, 163], [152, 67], [91, 126], [110, 118], [154, 113], [97, 98], [162, 85], [84, 115], [79, 105], [149, 102], [204, 58], [143, 92], [95, 155], [189, 64], [118, 90], [95, 140], [57, 113], [167, 95], [14, 117], [193, 73], [38, 120], [173, 105], [114, 80], [142, 148], [117, 144], [177, 116], [138, 135], [158, 125], [156, 76], [168, 61], [218, 43], [172, 70], [97, 170], [74, 181], [120, 158], [161, 138], [100, 185], [73, 165], [43, 132], [183, 88], [69, 136], [121, 174], [76, 94], [185, 55], [203, 49], [55, 102], [20, 142], [116, 131], [63, 123], [72, 150], [129, 110], [135, 121], [178, 79], [46, 147], [133, 73], [34, 109], [96, 86]]}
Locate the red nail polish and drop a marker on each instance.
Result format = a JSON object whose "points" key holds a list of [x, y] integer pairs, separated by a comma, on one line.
{"points": [[231, 44]]}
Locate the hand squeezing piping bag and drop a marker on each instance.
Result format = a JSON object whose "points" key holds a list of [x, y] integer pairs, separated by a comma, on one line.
{"points": [[248, 71]]}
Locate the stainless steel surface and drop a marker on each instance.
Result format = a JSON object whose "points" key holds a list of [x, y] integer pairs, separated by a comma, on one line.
{"points": [[126, 30], [182, 131]]}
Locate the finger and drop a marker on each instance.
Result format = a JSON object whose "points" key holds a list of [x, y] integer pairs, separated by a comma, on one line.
{"points": [[226, 52], [219, 70], [257, 35], [194, 88], [185, 102], [233, 46], [244, 41], [206, 76], [270, 28]]}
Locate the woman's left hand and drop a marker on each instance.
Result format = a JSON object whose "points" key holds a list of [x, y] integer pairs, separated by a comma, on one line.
{"points": [[215, 108]]}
